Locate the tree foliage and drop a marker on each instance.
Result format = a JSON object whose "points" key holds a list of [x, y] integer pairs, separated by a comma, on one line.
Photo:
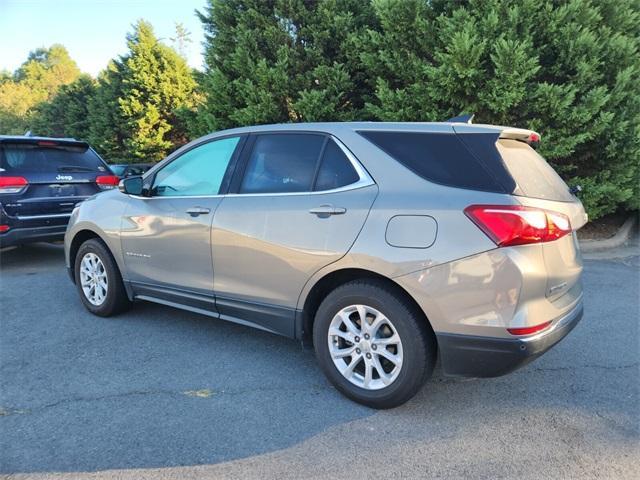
{"points": [[281, 61], [566, 68], [36, 81], [67, 113], [134, 114]]}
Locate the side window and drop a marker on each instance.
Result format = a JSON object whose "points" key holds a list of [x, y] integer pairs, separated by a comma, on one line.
{"points": [[335, 170], [197, 172], [282, 163]]}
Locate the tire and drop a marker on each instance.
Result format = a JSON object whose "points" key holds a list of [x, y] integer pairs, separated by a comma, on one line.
{"points": [[116, 300], [415, 352]]}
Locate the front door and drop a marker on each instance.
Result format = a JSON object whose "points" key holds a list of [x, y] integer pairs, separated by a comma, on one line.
{"points": [[166, 236]]}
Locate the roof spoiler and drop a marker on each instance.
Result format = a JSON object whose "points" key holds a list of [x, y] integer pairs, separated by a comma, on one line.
{"points": [[464, 118], [523, 135]]}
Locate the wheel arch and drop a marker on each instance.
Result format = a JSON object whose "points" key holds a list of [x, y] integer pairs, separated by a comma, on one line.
{"points": [[330, 282], [81, 236]]}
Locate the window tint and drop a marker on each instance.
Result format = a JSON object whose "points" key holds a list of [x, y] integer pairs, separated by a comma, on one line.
{"points": [[533, 175], [197, 172], [437, 157], [281, 163], [335, 170], [20, 159]]}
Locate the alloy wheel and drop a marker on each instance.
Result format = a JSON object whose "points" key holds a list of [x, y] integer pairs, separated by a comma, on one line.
{"points": [[365, 347]]}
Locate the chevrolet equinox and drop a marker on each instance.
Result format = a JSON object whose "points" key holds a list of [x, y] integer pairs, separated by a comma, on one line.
{"points": [[384, 245]]}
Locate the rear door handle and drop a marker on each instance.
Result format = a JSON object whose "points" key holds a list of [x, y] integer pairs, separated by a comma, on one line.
{"points": [[326, 210], [195, 211]]}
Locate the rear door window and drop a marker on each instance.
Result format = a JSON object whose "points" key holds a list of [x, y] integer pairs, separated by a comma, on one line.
{"points": [[335, 170], [282, 163], [24, 159], [533, 175], [438, 157]]}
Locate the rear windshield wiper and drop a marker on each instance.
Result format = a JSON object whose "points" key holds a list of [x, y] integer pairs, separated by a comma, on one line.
{"points": [[74, 168]]}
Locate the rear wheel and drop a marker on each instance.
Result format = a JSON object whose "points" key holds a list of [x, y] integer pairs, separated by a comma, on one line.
{"points": [[372, 344], [98, 280]]}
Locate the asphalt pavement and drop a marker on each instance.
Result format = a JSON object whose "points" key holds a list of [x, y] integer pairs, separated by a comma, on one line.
{"points": [[162, 393]]}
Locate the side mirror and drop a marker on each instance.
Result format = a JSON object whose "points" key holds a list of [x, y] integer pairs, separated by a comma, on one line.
{"points": [[131, 185]]}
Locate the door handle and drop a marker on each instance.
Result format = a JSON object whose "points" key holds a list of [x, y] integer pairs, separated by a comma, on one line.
{"points": [[326, 210], [195, 211]]}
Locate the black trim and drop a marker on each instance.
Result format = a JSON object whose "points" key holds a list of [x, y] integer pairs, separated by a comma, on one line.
{"points": [[241, 166], [273, 318], [319, 162], [175, 296], [19, 236], [472, 356], [233, 163]]}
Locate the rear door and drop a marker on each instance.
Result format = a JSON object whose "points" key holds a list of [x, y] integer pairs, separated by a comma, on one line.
{"points": [[298, 206], [538, 185], [57, 176]]}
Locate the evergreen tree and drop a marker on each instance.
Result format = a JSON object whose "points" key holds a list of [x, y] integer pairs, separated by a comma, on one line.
{"points": [[280, 61], [567, 69], [134, 114], [66, 114]]}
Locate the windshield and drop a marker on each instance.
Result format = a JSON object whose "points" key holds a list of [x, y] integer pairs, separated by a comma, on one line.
{"points": [[533, 175], [118, 169], [23, 158]]}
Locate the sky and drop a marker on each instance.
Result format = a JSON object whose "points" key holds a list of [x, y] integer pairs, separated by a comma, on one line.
{"points": [[93, 31]]}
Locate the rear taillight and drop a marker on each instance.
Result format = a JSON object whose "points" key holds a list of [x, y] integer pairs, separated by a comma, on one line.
{"points": [[12, 184], [529, 330], [509, 225], [106, 182], [4, 228]]}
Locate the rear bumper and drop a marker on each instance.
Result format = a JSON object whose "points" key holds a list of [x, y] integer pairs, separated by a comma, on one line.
{"points": [[18, 236], [474, 356]]}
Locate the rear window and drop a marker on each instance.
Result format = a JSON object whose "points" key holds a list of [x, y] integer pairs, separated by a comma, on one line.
{"points": [[37, 159], [533, 175], [438, 157]]}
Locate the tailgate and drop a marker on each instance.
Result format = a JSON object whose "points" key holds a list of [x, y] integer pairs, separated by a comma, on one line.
{"points": [[56, 175], [539, 186]]}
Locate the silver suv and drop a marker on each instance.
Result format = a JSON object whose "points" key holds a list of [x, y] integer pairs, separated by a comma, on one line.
{"points": [[385, 245]]}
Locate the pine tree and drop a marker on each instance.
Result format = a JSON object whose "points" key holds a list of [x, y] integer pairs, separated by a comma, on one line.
{"points": [[135, 113], [66, 114], [280, 61]]}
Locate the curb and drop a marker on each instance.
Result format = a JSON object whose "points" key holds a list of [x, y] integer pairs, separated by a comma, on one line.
{"points": [[619, 239]]}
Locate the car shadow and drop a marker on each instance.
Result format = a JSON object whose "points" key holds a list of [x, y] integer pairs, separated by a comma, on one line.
{"points": [[158, 387]]}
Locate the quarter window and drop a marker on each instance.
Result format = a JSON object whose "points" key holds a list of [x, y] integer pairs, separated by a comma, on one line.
{"points": [[282, 163], [437, 157], [197, 172]]}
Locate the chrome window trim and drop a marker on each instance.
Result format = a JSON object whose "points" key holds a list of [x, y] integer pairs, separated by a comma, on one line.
{"points": [[364, 180]]}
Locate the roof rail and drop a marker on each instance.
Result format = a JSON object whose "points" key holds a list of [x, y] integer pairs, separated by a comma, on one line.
{"points": [[464, 118]]}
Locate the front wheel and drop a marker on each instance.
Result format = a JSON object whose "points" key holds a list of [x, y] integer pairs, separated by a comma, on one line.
{"points": [[372, 343], [98, 280]]}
